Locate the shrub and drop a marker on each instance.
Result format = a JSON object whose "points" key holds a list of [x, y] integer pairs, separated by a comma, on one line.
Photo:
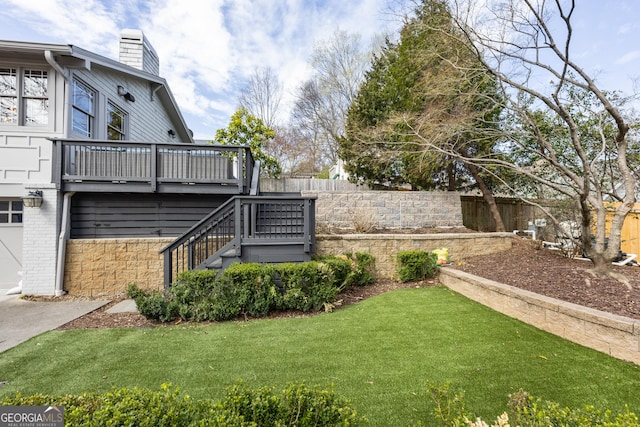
{"points": [[341, 266], [416, 265], [253, 289], [523, 411], [297, 405], [351, 269], [307, 286], [364, 273], [123, 406], [152, 305]]}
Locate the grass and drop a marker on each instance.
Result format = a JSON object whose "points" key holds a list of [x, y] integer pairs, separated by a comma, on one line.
{"points": [[380, 353]]}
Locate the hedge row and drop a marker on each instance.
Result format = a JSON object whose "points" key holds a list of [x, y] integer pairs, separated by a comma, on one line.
{"points": [[255, 290], [296, 405]]}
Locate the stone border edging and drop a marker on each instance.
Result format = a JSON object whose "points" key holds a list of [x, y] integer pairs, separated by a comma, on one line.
{"points": [[617, 336]]}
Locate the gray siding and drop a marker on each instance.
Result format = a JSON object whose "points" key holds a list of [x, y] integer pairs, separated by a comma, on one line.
{"points": [[148, 119], [96, 215]]}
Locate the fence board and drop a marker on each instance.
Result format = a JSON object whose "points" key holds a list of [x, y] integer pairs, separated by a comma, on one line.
{"points": [[296, 185], [630, 233], [515, 214]]}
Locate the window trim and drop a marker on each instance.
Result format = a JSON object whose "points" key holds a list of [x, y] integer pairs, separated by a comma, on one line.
{"points": [[124, 130], [21, 99], [90, 115], [10, 212], [24, 98]]}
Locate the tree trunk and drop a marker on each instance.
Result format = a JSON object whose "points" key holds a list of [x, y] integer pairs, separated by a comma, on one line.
{"points": [[487, 196]]}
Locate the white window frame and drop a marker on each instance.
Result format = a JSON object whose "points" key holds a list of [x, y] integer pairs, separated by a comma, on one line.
{"points": [[22, 99]]}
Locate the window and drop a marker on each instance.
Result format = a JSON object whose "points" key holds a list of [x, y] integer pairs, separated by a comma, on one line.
{"points": [[24, 97], [82, 115], [34, 96], [10, 211], [116, 123]]}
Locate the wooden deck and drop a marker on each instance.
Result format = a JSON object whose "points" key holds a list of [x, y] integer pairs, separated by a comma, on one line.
{"points": [[134, 167]]}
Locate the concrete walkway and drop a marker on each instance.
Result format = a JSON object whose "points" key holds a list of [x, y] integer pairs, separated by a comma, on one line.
{"points": [[21, 320]]}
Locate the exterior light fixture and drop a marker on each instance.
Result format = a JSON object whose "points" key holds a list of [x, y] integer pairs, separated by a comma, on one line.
{"points": [[126, 95], [172, 133], [33, 199]]}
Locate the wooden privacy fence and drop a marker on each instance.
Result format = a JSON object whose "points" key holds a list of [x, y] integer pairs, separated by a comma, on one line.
{"points": [[515, 214], [630, 233]]}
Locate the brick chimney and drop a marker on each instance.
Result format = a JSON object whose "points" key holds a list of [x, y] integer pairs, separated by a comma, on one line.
{"points": [[137, 52]]}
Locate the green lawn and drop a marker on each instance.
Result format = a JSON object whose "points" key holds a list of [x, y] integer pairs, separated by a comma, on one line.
{"points": [[380, 353]]}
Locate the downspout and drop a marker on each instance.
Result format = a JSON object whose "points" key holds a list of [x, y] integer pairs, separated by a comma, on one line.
{"points": [[62, 243], [48, 56], [66, 204]]}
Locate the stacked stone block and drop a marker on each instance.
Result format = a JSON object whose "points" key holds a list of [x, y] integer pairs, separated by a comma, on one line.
{"points": [[97, 267], [385, 247], [387, 209]]}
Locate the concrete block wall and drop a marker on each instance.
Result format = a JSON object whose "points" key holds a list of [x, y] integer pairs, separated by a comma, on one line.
{"points": [[39, 244], [387, 209], [97, 267], [385, 247], [614, 335]]}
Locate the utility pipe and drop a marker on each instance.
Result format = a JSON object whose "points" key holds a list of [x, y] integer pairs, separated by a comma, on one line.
{"points": [[62, 243]]}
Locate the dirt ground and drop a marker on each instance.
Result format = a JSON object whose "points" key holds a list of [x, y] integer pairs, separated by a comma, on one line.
{"points": [[525, 266]]}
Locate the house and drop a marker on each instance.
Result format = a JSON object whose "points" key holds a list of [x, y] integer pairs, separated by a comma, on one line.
{"points": [[93, 148]]}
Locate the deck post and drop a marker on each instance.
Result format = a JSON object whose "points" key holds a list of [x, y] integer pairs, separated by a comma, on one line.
{"points": [[237, 220], [154, 167], [168, 269]]}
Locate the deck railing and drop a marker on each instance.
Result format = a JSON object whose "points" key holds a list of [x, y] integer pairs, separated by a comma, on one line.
{"points": [[81, 165], [242, 221]]}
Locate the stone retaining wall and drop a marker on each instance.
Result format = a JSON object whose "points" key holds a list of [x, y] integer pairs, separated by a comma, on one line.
{"points": [[97, 267], [387, 209], [614, 335], [385, 246]]}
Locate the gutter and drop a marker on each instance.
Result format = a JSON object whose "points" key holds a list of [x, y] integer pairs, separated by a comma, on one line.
{"points": [[48, 56], [62, 243]]}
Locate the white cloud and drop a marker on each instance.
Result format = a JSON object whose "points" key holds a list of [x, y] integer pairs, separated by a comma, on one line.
{"points": [[628, 57], [207, 49]]}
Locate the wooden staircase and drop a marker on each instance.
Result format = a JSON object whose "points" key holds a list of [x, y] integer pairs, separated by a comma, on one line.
{"points": [[265, 229]]}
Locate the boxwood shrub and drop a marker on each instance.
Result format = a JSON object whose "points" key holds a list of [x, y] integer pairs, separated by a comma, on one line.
{"points": [[253, 290], [416, 265], [296, 405]]}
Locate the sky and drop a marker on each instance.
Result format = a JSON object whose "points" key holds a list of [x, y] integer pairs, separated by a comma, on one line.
{"points": [[208, 49]]}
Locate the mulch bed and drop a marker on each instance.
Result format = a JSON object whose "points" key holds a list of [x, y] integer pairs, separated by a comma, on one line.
{"points": [[547, 272]]}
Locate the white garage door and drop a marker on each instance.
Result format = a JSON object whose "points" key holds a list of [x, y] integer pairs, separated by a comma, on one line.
{"points": [[10, 242]]}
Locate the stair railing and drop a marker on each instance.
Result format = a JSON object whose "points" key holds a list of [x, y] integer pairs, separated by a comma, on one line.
{"points": [[242, 220]]}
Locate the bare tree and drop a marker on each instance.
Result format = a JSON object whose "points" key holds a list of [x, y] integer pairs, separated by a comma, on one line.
{"points": [[570, 135], [262, 95], [323, 101], [295, 152]]}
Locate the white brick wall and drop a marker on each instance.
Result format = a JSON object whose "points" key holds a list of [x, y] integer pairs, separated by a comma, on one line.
{"points": [[137, 52], [40, 245]]}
